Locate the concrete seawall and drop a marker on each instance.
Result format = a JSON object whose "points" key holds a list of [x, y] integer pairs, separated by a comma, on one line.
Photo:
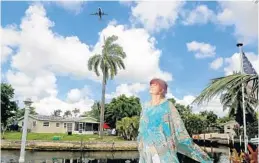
{"points": [[70, 145]]}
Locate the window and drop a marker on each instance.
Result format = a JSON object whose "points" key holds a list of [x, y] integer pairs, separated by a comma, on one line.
{"points": [[22, 123], [46, 124], [57, 124], [228, 127], [34, 123], [65, 125]]}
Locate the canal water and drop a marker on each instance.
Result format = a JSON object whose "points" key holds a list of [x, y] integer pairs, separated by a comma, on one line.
{"points": [[220, 155]]}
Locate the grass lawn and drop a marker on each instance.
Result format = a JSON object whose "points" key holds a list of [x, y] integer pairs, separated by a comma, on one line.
{"points": [[64, 137]]}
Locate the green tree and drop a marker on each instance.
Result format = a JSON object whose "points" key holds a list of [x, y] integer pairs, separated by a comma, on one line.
{"points": [[20, 112], [67, 113], [128, 127], [8, 106], [57, 113], [195, 124], [121, 107], [96, 110], [109, 61], [228, 88], [234, 102], [76, 112]]}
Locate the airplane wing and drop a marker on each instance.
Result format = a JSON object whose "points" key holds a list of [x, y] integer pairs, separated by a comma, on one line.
{"points": [[94, 13], [104, 14]]}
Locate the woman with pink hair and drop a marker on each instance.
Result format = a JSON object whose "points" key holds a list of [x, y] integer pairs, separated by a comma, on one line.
{"points": [[162, 132]]}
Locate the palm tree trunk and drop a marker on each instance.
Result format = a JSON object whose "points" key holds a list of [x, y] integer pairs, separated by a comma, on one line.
{"points": [[102, 106]]}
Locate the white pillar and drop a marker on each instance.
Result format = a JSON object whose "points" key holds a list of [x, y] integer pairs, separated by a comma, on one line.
{"points": [[27, 103]]}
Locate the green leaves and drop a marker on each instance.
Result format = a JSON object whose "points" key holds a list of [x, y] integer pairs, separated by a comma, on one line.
{"points": [[110, 61], [8, 106], [229, 88], [121, 107], [229, 84]]}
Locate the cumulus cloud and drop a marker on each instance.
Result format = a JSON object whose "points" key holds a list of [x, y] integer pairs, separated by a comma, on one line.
{"points": [[200, 15], [47, 105], [217, 63], [139, 46], [155, 16], [75, 6], [243, 16], [227, 14], [38, 55], [128, 90], [201, 49], [213, 105]]}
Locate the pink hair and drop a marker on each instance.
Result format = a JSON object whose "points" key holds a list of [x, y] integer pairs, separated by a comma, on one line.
{"points": [[162, 84]]}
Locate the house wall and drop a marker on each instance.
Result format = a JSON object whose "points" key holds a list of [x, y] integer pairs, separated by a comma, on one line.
{"points": [[51, 128], [39, 128]]}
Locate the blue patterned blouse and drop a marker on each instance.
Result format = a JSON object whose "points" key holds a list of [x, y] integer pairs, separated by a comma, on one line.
{"points": [[162, 134]]}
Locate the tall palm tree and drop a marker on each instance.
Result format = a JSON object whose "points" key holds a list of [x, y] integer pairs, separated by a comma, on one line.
{"points": [[109, 61], [229, 88]]}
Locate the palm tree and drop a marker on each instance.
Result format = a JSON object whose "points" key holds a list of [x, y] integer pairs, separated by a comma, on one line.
{"points": [[109, 61], [229, 88], [233, 101]]}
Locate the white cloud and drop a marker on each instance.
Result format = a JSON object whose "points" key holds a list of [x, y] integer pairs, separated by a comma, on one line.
{"points": [[48, 104], [39, 55], [139, 46], [35, 86], [128, 90], [75, 6], [5, 52], [75, 95], [213, 105], [233, 62], [200, 15], [126, 2], [217, 63], [187, 100], [201, 49], [156, 15], [42, 49], [243, 16]]}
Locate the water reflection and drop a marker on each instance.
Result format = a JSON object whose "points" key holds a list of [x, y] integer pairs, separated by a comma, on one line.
{"points": [[220, 155]]}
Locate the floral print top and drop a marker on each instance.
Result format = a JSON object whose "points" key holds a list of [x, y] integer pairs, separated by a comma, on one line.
{"points": [[162, 134]]}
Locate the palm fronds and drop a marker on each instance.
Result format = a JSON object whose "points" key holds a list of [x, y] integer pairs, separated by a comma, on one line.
{"points": [[229, 84]]}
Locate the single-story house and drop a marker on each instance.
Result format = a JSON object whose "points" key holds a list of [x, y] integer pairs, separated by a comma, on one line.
{"points": [[229, 127], [53, 124]]}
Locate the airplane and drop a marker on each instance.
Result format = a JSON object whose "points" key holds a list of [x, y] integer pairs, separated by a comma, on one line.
{"points": [[100, 13]]}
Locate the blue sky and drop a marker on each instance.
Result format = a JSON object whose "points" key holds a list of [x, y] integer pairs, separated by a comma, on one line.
{"points": [[46, 45]]}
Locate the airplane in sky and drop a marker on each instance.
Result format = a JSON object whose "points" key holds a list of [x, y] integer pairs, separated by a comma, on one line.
{"points": [[100, 13]]}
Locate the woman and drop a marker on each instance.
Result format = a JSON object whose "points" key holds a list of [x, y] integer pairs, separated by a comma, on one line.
{"points": [[162, 133]]}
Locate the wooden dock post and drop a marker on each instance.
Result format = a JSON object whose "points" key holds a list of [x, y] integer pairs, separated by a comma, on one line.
{"points": [[240, 140], [211, 143]]}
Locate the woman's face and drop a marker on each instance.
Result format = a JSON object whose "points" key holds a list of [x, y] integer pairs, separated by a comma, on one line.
{"points": [[155, 89]]}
